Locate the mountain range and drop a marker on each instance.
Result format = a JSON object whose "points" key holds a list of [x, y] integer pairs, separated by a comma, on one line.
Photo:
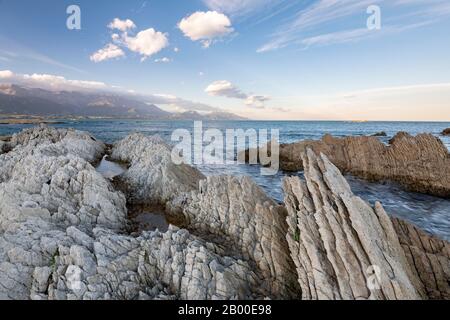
{"points": [[21, 100]]}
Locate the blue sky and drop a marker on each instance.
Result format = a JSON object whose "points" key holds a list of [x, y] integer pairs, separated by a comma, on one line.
{"points": [[265, 59]]}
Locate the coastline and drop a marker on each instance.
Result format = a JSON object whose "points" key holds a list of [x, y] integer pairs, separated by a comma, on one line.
{"points": [[265, 248]]}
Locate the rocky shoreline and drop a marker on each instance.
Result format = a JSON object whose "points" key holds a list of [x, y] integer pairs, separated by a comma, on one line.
{"points": [[418, 163], [64, 229]]}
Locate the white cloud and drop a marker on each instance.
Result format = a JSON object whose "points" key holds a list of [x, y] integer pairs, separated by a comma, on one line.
{"points": [[48, 81], [60, 83], [256, 101], [6, 74], [205, 26], [110, 51], [146, 42], [179, 103], [163, 60], [225, 88], [176, 49], [122, 25]]}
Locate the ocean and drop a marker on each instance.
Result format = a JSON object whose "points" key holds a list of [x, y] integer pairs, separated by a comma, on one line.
{"points": [[431, 214]]}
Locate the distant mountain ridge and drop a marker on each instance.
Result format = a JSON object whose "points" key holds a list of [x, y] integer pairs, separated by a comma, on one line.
{"points": [[19, 100]]}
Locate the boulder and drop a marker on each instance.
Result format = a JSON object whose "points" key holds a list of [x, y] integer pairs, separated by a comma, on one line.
{"points": [[446, 132], [47, 141], [152, 177]]}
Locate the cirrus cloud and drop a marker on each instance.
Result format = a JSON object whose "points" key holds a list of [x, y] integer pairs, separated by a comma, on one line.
{"points": [[205, 26]]}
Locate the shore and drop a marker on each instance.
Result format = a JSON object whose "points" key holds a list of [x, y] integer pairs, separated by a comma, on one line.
{"points": [[29, 121], [66, 229]]}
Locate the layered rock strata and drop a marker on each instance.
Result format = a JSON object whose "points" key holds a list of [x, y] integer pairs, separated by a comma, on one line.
{"points": [[420, 163], [344, 248]]}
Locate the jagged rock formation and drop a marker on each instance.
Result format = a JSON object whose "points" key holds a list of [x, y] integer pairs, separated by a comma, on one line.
{"points": [[428, 256], [233, 213], [63, 231], [338, 243], [152, 176], [420, 163], [48, 141], [236, 214], [173, 265], [60, 235]]}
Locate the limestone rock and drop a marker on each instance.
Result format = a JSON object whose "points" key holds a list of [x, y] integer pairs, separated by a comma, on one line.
{"points": [[48, 141], [174, 265], [70, 141], [65, 190], [428, 256], [420, 163], [237, 215], [342, 247], [152, 176], [60, 224]]}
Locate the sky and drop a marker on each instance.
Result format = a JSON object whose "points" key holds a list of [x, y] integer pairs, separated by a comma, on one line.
{"points": [[261, 59]]}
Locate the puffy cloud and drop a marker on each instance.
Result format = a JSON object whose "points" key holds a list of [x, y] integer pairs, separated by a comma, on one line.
{"points": [[6, 74], [205, 26], [122, 25], [225, 88], [110, 51], [256, 101], [176, 49], [163, 60], [146, 42]]}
